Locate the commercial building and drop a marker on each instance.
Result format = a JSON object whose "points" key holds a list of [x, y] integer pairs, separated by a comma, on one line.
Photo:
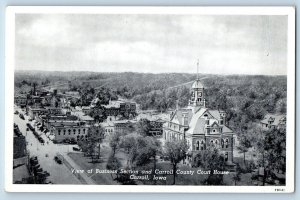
{"points": [[122, 108]]}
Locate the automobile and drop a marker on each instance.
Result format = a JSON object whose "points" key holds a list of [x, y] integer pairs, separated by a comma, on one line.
{"points": [[21, 116], [41, 140], [16, 112], [36, 166], [72, 141], [58, 160], [33, 158], [30, 127], [76, 149], [67, 140], [44, 173], [39, 169]]}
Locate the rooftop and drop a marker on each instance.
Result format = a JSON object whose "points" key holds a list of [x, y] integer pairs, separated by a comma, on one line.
{"points": [[273, 118], [197, 84]]}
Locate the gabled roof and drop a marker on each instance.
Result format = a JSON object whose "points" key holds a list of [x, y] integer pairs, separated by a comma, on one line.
{"points": [[274, 118], [227, 130], [215, 114], [179, 115]]}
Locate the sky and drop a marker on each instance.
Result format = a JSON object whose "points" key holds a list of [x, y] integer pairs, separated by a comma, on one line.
{"points": [[152, 43]]}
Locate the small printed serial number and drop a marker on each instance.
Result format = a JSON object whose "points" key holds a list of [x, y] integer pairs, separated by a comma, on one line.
{"points": [[279, 190]]}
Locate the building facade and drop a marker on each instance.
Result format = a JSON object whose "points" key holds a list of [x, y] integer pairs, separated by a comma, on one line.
{"points": [[21, 100], [122, 108], [69, 130], [201, 127]]}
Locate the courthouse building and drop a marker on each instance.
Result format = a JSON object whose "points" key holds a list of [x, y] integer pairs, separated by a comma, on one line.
{"points": [[200, 126]]}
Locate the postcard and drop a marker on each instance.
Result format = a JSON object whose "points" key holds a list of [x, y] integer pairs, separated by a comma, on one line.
{"points": [[150, 99]]}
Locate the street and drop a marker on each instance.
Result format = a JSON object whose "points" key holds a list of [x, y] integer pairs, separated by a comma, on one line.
{"points": [[59, 173]]}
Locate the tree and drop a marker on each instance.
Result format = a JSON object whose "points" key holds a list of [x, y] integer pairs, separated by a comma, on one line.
{"points": [[271, 145], [130, 145], [210, 159], [176, 151], [84, 146], [94, 138], [113, 163], [237, 175], [244, 145], [114, 142], [148, 151], [143, 127]]}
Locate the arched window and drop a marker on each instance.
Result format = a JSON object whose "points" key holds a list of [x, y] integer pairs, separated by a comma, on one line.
{"points": [[226, 143], [64, 132], [197, 145], [216, 142], [74, 130], [69, 131], [211, 142], [59, 132], [222, 143], [202, 145]]}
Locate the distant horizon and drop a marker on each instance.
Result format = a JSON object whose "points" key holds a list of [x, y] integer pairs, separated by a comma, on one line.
{"points": [[111, 72]]}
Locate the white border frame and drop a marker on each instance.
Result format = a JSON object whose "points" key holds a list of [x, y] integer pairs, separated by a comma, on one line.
{"points": [[9, 96]]}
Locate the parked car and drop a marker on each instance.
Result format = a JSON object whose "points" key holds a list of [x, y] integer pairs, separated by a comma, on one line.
{"points": [[72, 141], [76, 149], [58, 160], [67, 140], [21, 116], [39, 169]]}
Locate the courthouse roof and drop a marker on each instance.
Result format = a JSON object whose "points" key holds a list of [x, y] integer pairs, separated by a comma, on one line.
{"points": [[197, 84]]}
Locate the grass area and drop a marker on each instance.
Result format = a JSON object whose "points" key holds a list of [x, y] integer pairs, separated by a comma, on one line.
{"points": [[86, 164], [195, 179]]}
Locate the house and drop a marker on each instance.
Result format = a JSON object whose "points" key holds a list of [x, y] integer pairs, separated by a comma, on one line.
{"points": [[21, 100], [200, 127], [273, 121]]}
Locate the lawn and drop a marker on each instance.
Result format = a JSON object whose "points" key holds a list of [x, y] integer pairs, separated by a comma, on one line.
{"points": [[86, 164]]}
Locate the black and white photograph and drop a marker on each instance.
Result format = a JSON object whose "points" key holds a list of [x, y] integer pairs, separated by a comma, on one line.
{"points": [[180, 99]]}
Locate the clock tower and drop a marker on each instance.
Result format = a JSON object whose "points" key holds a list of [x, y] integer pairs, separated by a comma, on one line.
{"points": [[197, 94]]}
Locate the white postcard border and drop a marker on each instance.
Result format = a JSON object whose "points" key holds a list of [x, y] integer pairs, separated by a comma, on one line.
{"points": [[9, 96]]}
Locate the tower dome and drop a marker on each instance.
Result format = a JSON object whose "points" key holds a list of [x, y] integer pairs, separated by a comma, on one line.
{"points": [[197, 84]]}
